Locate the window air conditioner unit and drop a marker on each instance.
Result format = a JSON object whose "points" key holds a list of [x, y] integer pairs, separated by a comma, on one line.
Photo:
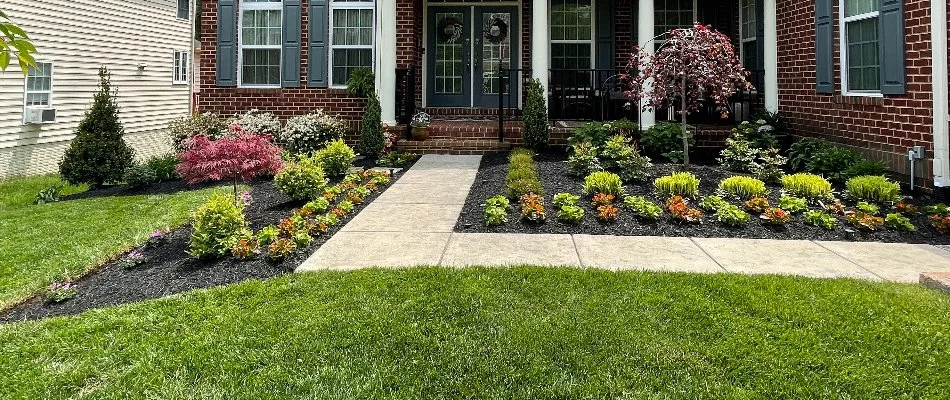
{"points": [[40, 115]]}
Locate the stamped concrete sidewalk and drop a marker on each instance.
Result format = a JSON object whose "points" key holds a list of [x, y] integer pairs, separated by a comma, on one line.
{"points": [[411, 224]]}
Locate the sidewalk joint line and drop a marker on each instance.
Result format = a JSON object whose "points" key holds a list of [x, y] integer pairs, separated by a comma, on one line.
{"points": [[445, 248], [695, 243], [578, 253], [849, 260]]}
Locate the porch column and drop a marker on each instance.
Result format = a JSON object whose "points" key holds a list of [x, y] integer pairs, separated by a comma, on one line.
{"points": [[540, 59], [941, 98], [770, 58], [645, 33], [386, 59]]}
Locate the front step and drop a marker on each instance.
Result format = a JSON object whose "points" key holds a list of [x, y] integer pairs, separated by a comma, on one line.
{"points": [[453, 146]]}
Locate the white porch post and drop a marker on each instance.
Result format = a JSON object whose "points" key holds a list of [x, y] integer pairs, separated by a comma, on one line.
{"points": [[941, 99], [771, 56], [540, 59], [645, 32], [386, 59]]}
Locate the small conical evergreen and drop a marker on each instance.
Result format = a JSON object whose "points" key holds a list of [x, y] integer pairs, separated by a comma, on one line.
{"points": [[372, 141], [98, 154], [537, 128]]}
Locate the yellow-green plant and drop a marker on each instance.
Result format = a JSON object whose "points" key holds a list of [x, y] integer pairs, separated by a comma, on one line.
{"points": [[809, 186], [742, 187], [877, 189], [603, 182], [218, 224], [682, 184], [522, 175]]}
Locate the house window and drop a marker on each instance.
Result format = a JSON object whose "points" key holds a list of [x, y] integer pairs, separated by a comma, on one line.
{"points": [[39, 86], [183, 8], [747, 32], [860, 46], [351, 38], [181, 67], [673, 14], [261, 42], [572, 34]]}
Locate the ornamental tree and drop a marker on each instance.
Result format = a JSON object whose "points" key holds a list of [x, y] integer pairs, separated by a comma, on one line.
{"points": [[693, 65], [240, 156]]}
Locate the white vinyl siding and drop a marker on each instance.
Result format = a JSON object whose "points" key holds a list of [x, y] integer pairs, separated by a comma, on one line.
{"points": [[77, 37], [351, 38]]}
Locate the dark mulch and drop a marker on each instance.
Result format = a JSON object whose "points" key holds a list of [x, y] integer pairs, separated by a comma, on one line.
{"points": [[553, 172], [169, 270]]}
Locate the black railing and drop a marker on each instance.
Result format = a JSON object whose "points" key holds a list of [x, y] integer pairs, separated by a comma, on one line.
{"points": [[587, 95], [405, 97], [508, 100], [742, 106]]}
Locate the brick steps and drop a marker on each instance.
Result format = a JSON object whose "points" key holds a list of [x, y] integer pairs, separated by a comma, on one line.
{"points": [[454, 146]]}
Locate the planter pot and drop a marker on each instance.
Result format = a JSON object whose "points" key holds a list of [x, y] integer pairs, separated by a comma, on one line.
{"points": [[420, 133]]}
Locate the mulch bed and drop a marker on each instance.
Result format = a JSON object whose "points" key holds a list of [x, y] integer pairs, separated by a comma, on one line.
{"points": [[553, 172], [168, 268]]}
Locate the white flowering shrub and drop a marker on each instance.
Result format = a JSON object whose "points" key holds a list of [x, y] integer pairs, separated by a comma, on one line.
{"points": [[261, 123], [197, 124], [312, 132]]}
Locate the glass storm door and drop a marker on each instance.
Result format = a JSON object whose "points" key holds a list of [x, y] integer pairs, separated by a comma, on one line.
{"points": [[466, 49]]}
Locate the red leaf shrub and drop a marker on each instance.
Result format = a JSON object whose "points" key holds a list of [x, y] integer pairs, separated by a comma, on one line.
{"points": [[238, 157]]}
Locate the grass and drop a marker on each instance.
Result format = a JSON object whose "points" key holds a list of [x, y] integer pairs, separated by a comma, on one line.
{"points": [[45, 243], [520, 333]]}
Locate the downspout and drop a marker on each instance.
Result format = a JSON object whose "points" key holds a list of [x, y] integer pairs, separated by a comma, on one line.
{"points": [[195, 61], [941, 100]]}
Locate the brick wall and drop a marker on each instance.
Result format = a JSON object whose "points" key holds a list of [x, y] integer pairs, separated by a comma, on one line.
{"points": [[883, 128]]}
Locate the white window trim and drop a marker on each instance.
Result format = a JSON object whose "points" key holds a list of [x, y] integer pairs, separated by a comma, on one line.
{"points": [[244, 6], [176, 69], [843, 43], [27, 91], [593, 35], [743, 38], [352, 5]]}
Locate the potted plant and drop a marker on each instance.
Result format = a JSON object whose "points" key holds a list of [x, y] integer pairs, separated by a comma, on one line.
{"points": [[420, 126]]}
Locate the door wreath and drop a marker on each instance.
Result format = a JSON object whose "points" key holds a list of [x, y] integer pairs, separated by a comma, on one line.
{"points": [[449, 29], [497, 31]]}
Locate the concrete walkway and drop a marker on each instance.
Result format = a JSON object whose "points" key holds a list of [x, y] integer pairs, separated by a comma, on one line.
{"points": [[411, 225]]}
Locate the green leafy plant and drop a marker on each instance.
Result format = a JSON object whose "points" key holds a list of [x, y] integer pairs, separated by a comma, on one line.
{"points": [[533, 208], [164, 166], [644, 208], [730, 214], [603, 182], [864, 221], [873, 188], [522, 175], [346, 206], [303, 180], [666, 139], [868, 208], [615, 149], [60, 292], [757, 205], [565, 199], [335, 159], [15, 43], [739, 155], [51, 194], [498, 202], [218, 224], [99, 153], [742, 187], [635, 167], [584, 160], [833, 162], [803, 151], [820, 219], [809, 186], [760, 133], [712, 203], [776, 216], [682, 184], [495, 216], [537, 128], [866, 168], [395, 159], [770, 167], [317, 206], [793, 204], [593, 133], [372, 142], [570, 214], [899, 223], [608, 213], [362, 82], [267, 235]]}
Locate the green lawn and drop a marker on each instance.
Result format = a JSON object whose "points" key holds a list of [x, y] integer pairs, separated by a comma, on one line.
{"points": [[521, 333], [41, 244]]}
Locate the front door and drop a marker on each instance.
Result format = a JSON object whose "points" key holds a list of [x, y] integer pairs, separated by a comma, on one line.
{"points": [[466, 49]]}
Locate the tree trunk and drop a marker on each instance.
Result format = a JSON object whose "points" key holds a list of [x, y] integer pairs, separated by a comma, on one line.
{"points": [[685, 132], [236, 201]]}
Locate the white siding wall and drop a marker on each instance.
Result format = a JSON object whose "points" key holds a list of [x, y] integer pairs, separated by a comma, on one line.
{"points": [[78, 36]]}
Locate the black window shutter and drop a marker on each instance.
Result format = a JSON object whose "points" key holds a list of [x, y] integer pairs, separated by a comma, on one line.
{"points": [[604, 27], [319, 30], [227, 44], [824, 46], [290, 64], [891, 25]]}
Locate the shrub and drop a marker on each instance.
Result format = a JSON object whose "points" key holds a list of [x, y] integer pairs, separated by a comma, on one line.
{"points": [[537, 129], [607, 213], [769, 168], [570, 214], [758, 133], [362, 82], [757, 205], [51, 194], [565, 199], [776, 216], [139, 175], [677, 207], [743, 187], [793, 204], [256, 122], [864, 221], [867, 167], [644, 208], [584, 160], [522, 176], [731, 215], [184, 128], [532, 208], [712, 203], [666, 139], [98, 154], [336, 159], [593, 133], [634, 167], [820, 219], [615, 150], [218, 224], [868, 208], [603, 199], [833, 162], [739, 154], [603, 182], [873, 188], [495, 216], [809, 186], [236, 158], [395, 159], [372, 141], [899, 223], [164, 166], [306, 134], [302, 180], [802, 151], [682, 184]]}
